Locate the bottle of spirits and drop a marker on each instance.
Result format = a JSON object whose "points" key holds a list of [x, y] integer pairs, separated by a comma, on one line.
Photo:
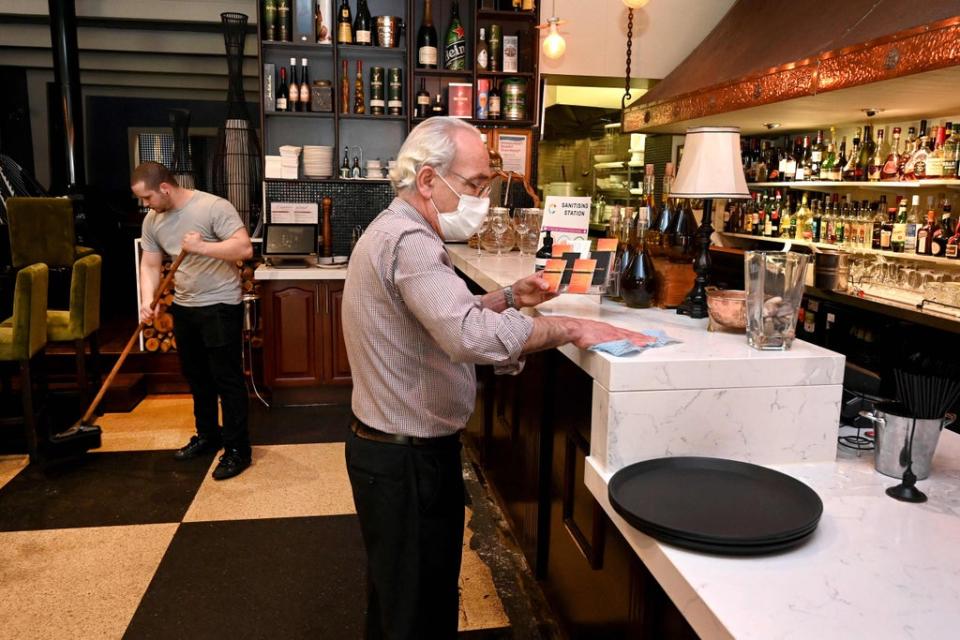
{"points": [[455, 52], [952, 250], [804, 224], [359, 102], [879, 158], [925, 235], [913, 225], [355, 169], [917, 165], [320, 23], [792, 161], [909, 148], [494, 47], [891, 165], [804, 162], [898, 238], [867, 150], [378, 105], [437, 109], [493, 102], [836, 171], [816, 227], [423, 101], [344, 24], [270, 20], [362, 33], [936, 158], [544, 252], [817, 153], [283, 20], [482, 57], [293, 93], [638, 282], [850, 168], [282, 91], [345, 165], [345, 88], [427, 39], [877, 226], [668, 212], [951, 152], [304, 86]]}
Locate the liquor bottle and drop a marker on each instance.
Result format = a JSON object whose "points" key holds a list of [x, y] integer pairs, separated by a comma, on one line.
{"points": [[877, 227], [355, 169], [270, 20], [282, 91], [804, 224], [544, 253], [320, 24], [437, 109], [912, 225], [804, 161], [886, 230], [684, 233], [528, 5], [817, 153], [344, 24], [455, 51], [936, 158], [951, 153], [624, 249], [304, 86], [345, 88], [828, 230], [362, 33], [516, 4], [925, 235], [878, 160], [816, 227], [482, 58], [345, 165], [359, 102], [422, 109], [377, 103], [668, 212], [849, 171], [638, 282], [909, 148], [865, 155], [917, 164], [493, 102], [283, 20], [293, 93], [494, 47], [427, 39], [891, 166], [793, 159], [836, 171], [898, 236]]}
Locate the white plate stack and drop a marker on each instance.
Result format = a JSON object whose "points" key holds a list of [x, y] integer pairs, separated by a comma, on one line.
{"points": [[317, 161], [289, 162]]}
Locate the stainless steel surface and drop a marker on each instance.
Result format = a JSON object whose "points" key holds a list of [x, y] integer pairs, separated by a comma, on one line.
{"points": [[893, 437]]}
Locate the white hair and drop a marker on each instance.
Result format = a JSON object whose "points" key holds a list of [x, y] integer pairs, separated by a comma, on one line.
{"points": [[430, 144]]}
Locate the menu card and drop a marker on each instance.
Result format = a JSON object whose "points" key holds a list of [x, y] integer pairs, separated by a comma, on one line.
{"points": [[568, 272]]}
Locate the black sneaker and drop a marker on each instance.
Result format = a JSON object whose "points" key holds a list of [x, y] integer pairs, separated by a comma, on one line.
{"points": [[197, 447], [232, 463]]}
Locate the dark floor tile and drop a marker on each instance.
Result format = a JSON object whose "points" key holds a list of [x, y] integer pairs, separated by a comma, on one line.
{"points": [[278, 578], [102, 489], [299, 425]]}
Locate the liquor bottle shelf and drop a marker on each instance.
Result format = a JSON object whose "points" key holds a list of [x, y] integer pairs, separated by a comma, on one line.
{"points": [[298, 114], [825, 185], [864, 250], [930, 317], [370, 116], [444, 73], [488, 123], [277, 44], [354, 50]]}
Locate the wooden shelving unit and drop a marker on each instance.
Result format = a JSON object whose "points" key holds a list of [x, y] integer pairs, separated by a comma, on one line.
{"points": [[850, 249]]}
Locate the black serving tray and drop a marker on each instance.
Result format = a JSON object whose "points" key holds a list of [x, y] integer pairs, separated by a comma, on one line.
{"points": [[726, 505]]}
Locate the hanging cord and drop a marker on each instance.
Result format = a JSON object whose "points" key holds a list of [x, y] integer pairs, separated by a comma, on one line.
{"points": [[627, 96]]}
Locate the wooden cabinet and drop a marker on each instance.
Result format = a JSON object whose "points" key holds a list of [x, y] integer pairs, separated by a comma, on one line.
{"points": [[303, 334]]}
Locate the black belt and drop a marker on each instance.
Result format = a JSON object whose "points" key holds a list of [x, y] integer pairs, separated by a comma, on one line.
{"points": [[368, 433]]}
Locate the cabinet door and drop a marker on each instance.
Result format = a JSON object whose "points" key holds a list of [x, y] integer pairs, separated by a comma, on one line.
{"points": [[337, 364], [292, 328]]}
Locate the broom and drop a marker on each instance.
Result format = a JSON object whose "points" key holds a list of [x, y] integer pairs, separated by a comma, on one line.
{"points": [[85, 424]]}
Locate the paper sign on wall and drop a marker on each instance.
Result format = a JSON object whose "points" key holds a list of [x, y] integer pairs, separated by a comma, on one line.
{"points": [[294, 213], [567, 218]]}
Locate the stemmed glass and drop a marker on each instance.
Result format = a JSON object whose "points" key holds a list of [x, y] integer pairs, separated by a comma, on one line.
{"points": [[522, 227], [499, 226], [480, 231]]}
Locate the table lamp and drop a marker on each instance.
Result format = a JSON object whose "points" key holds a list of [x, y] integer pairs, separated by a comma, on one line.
{"points": [[710, 168]]}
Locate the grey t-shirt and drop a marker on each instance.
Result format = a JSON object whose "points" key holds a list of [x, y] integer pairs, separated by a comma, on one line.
{"points": [[200, 281]]}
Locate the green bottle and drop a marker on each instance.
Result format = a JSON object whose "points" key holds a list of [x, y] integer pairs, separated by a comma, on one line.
{"points": [[455, 53]]}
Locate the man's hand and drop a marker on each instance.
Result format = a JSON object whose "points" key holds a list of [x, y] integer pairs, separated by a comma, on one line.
{"points": [[531, 291], [146, 313], [193, 243], [591, 332]]}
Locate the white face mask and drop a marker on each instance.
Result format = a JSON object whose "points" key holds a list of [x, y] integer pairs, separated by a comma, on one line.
{"points": [[459, 225]]}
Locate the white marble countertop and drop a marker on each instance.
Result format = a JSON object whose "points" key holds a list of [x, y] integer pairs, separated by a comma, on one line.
{"points": [[875, 567], [703, 360], [264, 272]]}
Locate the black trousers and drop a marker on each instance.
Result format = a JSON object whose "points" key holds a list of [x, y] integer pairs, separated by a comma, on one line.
{"points": [[209, 341], [410, 503]]}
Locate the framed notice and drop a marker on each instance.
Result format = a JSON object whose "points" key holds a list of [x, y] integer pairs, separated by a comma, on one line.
{"points": [[515, 146]]}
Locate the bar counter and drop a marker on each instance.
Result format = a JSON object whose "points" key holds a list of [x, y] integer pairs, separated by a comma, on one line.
{"points": [[874, 568]]}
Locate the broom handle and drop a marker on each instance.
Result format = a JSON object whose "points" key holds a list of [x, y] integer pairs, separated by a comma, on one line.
{"points": [[136, 334]]}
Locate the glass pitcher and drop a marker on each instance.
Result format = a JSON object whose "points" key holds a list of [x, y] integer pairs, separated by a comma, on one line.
{"points": [[774, 284]]}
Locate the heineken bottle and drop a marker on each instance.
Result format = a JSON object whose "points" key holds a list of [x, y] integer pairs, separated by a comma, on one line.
{"points": [[455, 52]]}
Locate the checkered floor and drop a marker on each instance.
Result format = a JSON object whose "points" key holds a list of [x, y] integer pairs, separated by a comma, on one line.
{"points": [[126, 542]]}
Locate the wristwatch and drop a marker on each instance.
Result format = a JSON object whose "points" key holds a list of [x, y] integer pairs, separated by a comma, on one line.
{"points": [[508, 296]]}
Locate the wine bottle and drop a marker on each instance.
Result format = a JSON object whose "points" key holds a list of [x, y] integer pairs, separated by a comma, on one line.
{"points": [[427, 39], [304, 87], [482, 58], [423, 101], [344, 24], [361, 26], [493, 102], [543, 253], [359, 102], [282, 91], [345, 165], [438, 109], [293, 95], [355, 169], [455, 52]]}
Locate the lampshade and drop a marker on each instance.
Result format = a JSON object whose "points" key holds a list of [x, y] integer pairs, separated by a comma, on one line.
{"points": [[711, 165]]}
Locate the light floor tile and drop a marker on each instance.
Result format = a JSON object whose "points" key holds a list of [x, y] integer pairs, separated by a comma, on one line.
{"points": [[158, 422], [284, 481], [10, 466], [480, 606], [76, 583]]}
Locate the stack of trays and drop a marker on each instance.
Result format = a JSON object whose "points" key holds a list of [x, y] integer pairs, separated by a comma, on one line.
{"points": [[317, 161], [289, 162], [715, 505]]}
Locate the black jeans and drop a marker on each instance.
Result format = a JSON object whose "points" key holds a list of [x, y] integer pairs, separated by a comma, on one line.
{"points": [[209, 340], [410, 503]]}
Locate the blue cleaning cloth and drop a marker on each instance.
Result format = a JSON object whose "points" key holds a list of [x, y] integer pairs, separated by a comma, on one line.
{"points": [[627, 348]]}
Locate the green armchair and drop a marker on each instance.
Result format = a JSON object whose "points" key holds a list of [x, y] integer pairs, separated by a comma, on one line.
{"points": [[24, 336], [80, 323], [42, 231]]}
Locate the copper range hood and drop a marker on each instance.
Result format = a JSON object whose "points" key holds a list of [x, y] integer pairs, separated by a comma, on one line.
{"points": [[813, 61]]}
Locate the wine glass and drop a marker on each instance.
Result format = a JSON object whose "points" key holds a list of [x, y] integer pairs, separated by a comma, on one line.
{"points": [[484, 224], [499, 226], [522, 227]]}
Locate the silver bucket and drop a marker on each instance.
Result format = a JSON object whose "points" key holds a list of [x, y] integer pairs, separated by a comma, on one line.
{"points": [[893, 436]]}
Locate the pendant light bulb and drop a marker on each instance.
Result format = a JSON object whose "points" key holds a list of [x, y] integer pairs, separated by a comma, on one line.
{"points": [[554, 45], [635, 4]]}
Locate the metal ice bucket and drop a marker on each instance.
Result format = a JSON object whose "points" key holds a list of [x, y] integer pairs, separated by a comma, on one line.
{"points": [[893, 435]]}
